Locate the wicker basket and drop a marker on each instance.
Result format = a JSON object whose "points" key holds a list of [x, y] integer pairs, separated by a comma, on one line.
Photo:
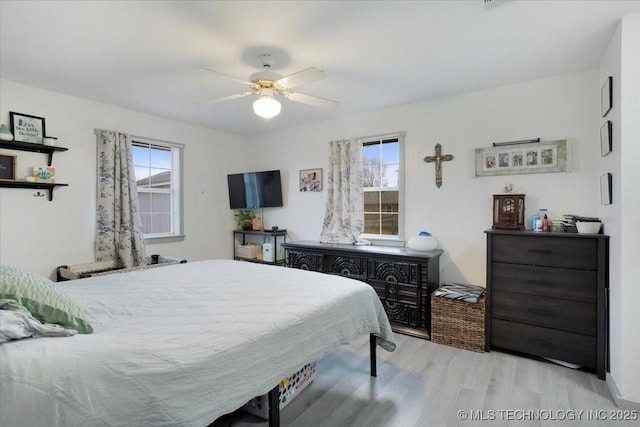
{"points": [[458, 323]]}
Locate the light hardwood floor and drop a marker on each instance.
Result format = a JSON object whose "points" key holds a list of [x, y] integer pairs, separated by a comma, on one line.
{"points": [[427, 384]]}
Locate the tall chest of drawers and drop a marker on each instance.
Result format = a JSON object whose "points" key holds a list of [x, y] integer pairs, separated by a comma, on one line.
{"points": [[403, 279], [547, 295]]}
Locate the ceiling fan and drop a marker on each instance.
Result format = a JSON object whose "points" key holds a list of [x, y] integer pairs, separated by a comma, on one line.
{"points": [[267, 84]]}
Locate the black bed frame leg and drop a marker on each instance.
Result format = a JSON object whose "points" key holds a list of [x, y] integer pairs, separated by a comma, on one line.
{"points": [[372, 354], [273, 399]]}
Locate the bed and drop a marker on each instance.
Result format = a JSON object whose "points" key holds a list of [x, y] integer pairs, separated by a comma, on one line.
{"points": [[182, 345]]}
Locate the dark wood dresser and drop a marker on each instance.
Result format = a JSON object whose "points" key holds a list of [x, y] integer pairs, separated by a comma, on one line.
{"points": [[403, 278], [547, 295]]}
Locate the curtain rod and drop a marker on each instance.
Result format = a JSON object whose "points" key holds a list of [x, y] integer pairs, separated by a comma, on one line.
{"points": [[146, 139], [523, 141]]}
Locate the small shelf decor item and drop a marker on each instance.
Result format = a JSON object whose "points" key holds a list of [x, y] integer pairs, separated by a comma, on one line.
{"points": [[44, 174], [521, 158], [8, 167], [244, 219], [606, 96], [606, 182], [5, 133], [606, 138], [311, 180], [27, 128], [508, 211]]}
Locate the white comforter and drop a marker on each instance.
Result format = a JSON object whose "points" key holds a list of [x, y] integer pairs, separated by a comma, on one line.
{"points": [[182, 345]]}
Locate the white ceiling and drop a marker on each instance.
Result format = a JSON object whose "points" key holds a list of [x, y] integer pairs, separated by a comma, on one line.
{"points": [[144, 55]]}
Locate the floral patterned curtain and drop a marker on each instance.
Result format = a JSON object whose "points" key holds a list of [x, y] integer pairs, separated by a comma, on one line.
{"points": [[344, 214], [118, 227]]}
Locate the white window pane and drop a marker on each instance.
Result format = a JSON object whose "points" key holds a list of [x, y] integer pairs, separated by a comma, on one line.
{"points": [[140, 155], [389, 201], [160, 178], [372, 223], [391, 175], [156, 167], [142, 176], [146, 223], [161, 158], [161, 202], [389, 224], [373, 175], [161, 223], [372, 201], [144, 202], [391, 153], [382, 168], [371, 154]]}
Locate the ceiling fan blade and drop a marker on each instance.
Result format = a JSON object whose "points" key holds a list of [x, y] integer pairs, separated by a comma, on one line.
{"points": [[227, 76], [224, 98], [301, 77], [311, 100]]}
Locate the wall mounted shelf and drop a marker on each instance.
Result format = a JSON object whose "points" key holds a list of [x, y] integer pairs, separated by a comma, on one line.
{"points": [[37, 148], [35, 185]]}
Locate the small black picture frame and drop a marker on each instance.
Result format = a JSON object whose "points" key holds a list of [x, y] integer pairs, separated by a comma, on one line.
{"points": [[606, 138], [27, 128], [606, 182], [7, 167], [606, 96]]}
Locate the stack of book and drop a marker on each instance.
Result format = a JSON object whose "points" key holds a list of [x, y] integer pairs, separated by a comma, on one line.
{"points": [[569, 222]]}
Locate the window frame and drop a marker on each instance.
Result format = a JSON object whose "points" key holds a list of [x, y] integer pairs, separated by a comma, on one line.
{"points": [[177, 188], [381, 239]]}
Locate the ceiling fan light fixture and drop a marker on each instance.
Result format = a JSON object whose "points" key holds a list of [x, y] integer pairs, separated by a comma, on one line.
{"points": [[266, 106]]}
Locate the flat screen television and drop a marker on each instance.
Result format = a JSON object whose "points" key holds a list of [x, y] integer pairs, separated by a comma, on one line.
{"points": [[255, 190]]}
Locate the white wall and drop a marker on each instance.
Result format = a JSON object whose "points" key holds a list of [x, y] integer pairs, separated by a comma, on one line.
{"points": [[562, 107], [39, 235], [622, 62]]}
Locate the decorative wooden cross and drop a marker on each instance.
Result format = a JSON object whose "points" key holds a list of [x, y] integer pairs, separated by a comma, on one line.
{"points": [[438, 158]]}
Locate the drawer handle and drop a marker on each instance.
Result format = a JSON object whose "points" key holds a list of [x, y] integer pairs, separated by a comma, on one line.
{"points": [[539, 311], [540, 342], [540, 251]]}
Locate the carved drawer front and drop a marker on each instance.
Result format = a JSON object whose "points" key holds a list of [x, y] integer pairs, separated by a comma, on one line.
{"points": [[396, 292], [352, 267], [573, 316], [305, 261], [546, 342], [403, 314], [565, 283], [396, 272], [557, 252], [396, 282]]}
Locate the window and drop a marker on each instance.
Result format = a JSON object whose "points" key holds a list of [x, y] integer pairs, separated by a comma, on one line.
{"points": [[383, 163], [158, 175]]}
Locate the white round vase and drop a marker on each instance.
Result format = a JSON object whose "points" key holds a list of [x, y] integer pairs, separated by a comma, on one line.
{"points": [[424, 241]]}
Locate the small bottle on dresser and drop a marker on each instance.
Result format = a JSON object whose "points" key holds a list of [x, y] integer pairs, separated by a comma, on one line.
{"points": [[545, 223], [543, 215]]}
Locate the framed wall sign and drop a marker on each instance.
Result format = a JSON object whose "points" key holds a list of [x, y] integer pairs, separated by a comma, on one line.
{"points": [[311, 180], [606, 96], [606, 182], [26, 128], [537, 157], [7, 167], [606, 138]]}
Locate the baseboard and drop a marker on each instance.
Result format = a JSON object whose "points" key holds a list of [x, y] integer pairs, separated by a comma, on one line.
{"points": [[617, 397]]}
